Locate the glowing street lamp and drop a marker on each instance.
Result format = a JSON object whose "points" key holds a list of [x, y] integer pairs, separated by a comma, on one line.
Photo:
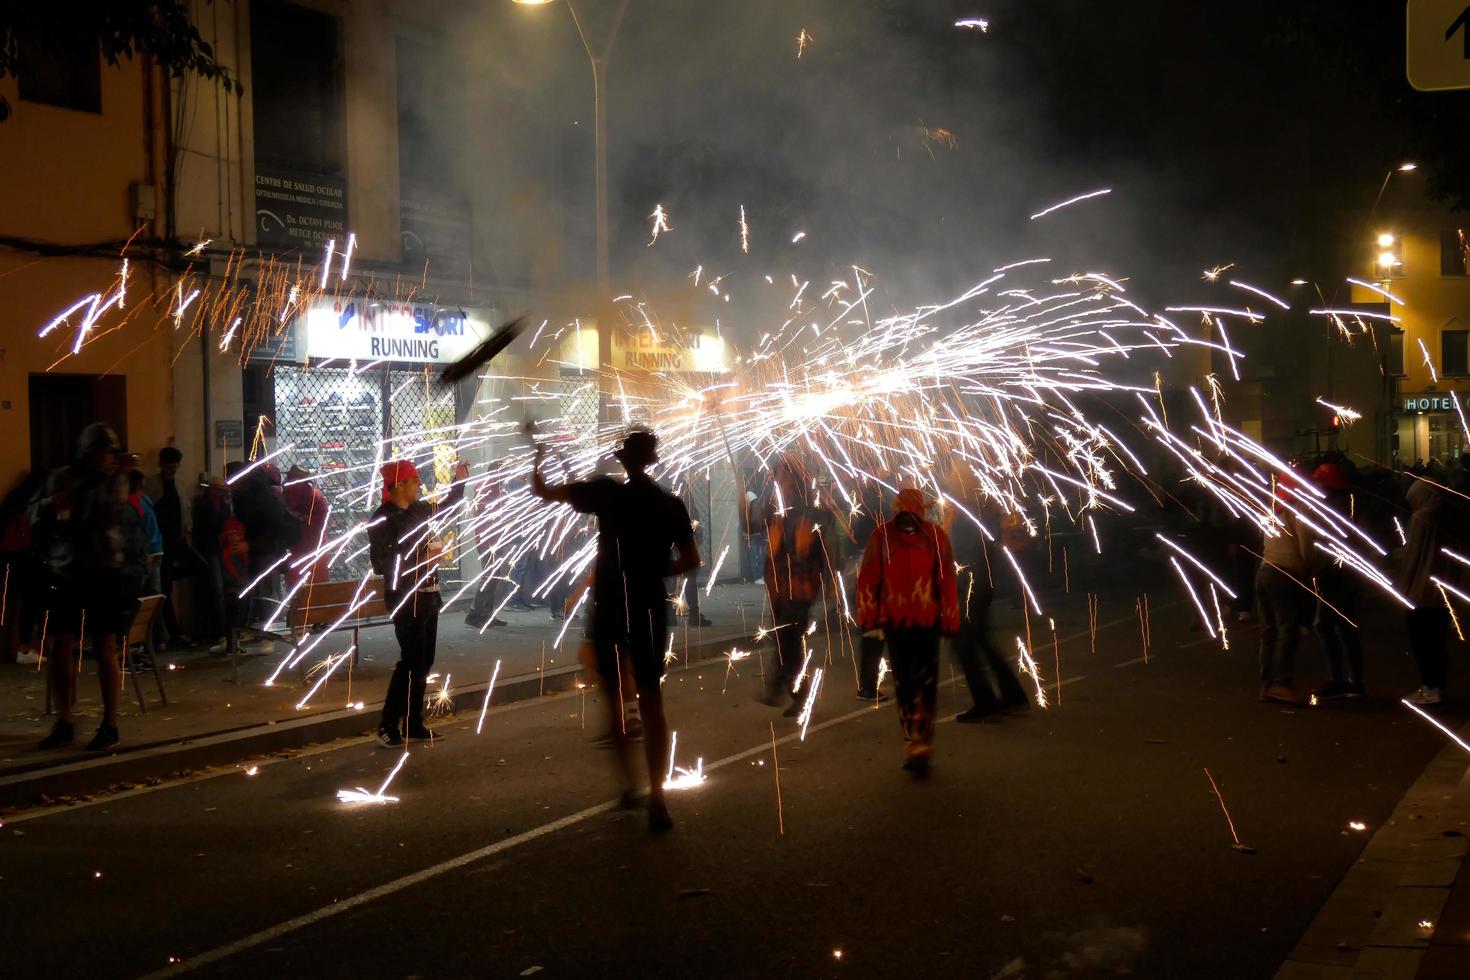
{"points": [[1387, 260], [1385, 239]]}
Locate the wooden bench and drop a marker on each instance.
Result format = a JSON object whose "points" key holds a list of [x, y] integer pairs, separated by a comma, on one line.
{"points": [[140, 636], [323, 607]]}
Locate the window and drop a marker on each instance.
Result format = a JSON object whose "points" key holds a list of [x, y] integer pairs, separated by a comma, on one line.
{"points": [[1454, 252], [299, 113], [66, 79], [297, 84], [1395, 359], [1454, 345], [433, 211]]}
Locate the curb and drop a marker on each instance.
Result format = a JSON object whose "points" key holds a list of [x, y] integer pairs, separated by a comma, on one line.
{"points": [[160, 761]]}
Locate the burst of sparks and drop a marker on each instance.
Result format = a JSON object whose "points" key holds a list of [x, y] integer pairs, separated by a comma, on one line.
{"points": [[973, 24], [361, 795], [1348, 415], [660, 222], [744, 232], [803, 38], [680, 778]]}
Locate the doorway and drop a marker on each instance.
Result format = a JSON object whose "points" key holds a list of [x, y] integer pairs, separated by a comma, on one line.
{"points": [[62, 405]]}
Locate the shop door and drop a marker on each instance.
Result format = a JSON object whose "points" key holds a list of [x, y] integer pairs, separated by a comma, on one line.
{"points": [[334, 417], [62, 405]]}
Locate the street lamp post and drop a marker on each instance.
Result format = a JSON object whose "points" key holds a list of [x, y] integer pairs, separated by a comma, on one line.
{"points": [[598, 57]]}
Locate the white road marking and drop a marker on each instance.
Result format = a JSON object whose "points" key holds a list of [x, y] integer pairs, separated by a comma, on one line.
{"points": [[499, 847]]}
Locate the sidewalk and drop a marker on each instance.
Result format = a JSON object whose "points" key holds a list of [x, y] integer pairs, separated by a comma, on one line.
{"points": [[206, 705]]}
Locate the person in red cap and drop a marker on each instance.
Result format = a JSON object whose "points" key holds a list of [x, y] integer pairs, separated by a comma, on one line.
{"points": [[403, 544], [907, 589]]}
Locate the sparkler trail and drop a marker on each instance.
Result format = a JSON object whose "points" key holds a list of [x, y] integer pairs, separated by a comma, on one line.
{"points": [[806, 712], [1436, 723], [1071, 200], [484, 708], [1223, 809]]}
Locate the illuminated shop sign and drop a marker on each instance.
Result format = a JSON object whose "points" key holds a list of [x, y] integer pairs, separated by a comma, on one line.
{"points": [[357, 329]]}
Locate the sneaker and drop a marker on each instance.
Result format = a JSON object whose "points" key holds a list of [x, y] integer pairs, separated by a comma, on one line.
{"points": [[1283, 694], [474, 622], [27, 658], [878, 697], [62, 733], [1352, 690], [105, 738], [389, 738], [919, 765], [1425, 695], [422, 733], [223, 646], [498, 622], [1330, 691], [977, 714]]}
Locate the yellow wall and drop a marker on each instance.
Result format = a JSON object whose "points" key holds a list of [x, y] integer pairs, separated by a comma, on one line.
{"points": [[67, 181]]}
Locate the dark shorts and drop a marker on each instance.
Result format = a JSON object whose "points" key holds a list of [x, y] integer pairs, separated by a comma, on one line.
{"points": [[92, 605], [637, 638]]}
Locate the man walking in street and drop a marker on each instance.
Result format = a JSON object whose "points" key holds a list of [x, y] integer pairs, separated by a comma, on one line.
{"points": [[972, 646], [639, 526], [76, 526], [404, 546], [308, 505], [906, 588], [796, 533]]}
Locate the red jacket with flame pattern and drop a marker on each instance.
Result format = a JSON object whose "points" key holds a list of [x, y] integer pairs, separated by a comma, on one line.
{"points": [[907, 580]]}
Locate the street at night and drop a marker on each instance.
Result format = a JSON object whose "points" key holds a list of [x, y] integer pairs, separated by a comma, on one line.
{"points": [[685, 488]]}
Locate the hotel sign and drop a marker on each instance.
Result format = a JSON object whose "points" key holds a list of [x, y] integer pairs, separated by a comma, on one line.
{"points": [[1429, 402]]}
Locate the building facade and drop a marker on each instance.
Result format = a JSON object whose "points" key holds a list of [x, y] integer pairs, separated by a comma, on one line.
{"points": [[1418, 272]]}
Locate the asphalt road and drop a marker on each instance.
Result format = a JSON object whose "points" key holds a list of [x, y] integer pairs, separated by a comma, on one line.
{"points": [[1069, 843]]}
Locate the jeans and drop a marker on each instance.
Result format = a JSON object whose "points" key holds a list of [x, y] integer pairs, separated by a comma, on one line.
{"points": [[1428, 639], [1282, 606], [417, 627], [1340, 591], [974, 650], [870, 652], [791, 620], [483, 605], [915, 654]]}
